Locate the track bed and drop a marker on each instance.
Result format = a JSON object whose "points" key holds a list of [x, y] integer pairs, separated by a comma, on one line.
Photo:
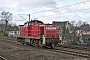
{"points": [[13, 50]]}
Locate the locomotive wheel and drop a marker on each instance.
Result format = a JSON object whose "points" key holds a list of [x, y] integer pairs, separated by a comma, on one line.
{"points": [[35, 43], [52, 44], [31, 42], [18, 40], [27, 44], [22, 43], [40, 43]]}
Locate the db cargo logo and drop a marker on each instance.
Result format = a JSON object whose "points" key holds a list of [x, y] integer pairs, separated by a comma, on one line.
{"points": [[51, 28]]}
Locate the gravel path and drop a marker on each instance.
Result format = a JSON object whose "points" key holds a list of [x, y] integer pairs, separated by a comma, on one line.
{"points": [[13, 50]]}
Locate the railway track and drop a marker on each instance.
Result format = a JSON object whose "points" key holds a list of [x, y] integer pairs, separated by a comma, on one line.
{"points": [[69, 51], [61, 49], [85, 48], [80, 51], [73, 52], [2, 58]]}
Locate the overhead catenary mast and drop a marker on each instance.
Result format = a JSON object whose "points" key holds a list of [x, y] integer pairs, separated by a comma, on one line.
{"points": [[23, 17], [29, 17]]}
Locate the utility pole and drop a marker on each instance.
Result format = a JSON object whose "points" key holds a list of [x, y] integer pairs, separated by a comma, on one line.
{"points": [[6, 22], [29, 17]]}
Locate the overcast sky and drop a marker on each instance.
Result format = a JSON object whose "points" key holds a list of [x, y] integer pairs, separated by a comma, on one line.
{"points": [[47, 10]]}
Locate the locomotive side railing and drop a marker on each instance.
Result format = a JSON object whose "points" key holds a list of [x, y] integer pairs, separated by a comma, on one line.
{"points": [[31, 32]]}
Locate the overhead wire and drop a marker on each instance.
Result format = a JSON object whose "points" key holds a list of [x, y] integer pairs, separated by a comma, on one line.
{"points": [[62, 7], [68, 6], [22, 17], [36, 6], [65, 13], [42, 5]]}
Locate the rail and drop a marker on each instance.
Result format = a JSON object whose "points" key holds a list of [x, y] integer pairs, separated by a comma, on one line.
{"points": [[2, 58]]}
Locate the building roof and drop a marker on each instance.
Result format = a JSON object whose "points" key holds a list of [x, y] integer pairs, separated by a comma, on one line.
{"points": [[57, 23], [85, 27], [13, 29]]}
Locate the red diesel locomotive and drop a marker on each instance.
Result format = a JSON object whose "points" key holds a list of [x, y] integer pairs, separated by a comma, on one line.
{"points": [[35, 32]]}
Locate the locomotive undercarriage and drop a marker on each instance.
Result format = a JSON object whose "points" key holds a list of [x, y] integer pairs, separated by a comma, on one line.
{"points": [[51, 42]]}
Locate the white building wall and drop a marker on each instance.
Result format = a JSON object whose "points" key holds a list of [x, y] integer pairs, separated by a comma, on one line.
{"points": [[13, 33]]}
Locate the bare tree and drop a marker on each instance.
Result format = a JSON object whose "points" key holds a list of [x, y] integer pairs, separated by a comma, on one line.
{"points": [[79, 23], [73, 23], [6, 16]]}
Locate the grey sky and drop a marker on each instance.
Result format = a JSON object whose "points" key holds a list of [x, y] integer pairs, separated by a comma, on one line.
{"points": [[72, 12]]}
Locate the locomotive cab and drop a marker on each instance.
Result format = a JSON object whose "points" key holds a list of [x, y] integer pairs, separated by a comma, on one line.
{"points": [[49, 35]]}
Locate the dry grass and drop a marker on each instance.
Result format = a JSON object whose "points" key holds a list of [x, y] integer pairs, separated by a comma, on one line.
{"points": [[12, 50]]}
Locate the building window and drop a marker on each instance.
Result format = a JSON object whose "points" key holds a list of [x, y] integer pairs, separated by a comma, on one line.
{"points": [[11, 31]]}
